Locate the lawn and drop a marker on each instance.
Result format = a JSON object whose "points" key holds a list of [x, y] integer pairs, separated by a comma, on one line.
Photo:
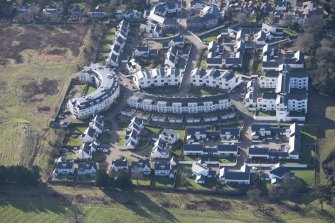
{"points": [[162, 90], [209, 37], [290, 32], [162, 182], [203, 58], [307, 176], [90, 90], [153, 129], [94, 205], [204, 91], [104, 138], [74, 141], [268, 113]]}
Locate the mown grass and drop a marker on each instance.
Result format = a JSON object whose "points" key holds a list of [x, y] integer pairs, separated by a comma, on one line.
{"points": [[307, 176], [211, 36]]}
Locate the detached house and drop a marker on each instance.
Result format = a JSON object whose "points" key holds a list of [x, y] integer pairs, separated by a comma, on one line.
{"points": [[89, 135], [141, 167], [160, 150], [87, 168], [64, 168], [235, 177], [120, 164], [163, 169]]}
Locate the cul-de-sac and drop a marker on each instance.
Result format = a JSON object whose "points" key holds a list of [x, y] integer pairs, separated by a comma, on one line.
{"points": [[167, 111]]}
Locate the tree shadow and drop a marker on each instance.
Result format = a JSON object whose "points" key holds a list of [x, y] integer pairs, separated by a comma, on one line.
{"points": [[317, 114], [40, 198], [140, 204]]}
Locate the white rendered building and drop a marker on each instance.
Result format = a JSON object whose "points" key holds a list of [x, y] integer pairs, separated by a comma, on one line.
{"points": [[102, 98]]}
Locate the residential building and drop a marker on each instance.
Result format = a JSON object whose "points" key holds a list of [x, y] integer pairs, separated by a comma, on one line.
{"points": [[157, 77], [179, 105], [87, 168], [64, 168], [163, 169], [160, 150], [235, 177], [102, 98], [120, 164], [141, 167], [222, 79]]}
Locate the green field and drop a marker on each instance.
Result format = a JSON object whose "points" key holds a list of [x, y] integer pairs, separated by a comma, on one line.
{"points": [[43, 204]]}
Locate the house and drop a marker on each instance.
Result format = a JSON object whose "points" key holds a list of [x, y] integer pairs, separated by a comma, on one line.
{"points": [[97, 124], [169, 135], [171, 57], [215, 62], [222, 79], [200, 171], [235, 177], [260, 131], [163, 169], [98, 13], [177, 41], [85, 151], [120, 164], [230, 134], [256, 152], [64, 168], [141, 167], [87, 168], [133, 67], [194, 134], [160, 150], [227, 150], [133, 132], [51, 11], [193, 149], [142, 51], [89, 135], [199, 168], [157, 31]]}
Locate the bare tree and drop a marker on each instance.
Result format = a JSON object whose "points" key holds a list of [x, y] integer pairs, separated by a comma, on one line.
{"points": [[305, 42], [241, 18]]}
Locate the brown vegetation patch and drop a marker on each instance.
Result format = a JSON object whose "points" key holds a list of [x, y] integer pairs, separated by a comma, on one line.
{"points": [[213, 205], [3, 86], [80, 198], [168, 205], [38, 38], [44, 108], [57, 52], [33, 88]]}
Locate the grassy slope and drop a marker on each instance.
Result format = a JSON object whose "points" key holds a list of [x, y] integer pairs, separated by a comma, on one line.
{"points": [[322, 115], [94, 205]]}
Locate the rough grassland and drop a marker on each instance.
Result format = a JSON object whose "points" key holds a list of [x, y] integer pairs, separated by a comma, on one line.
{"points": [[322, 115], [34, 74], [43, 204]]}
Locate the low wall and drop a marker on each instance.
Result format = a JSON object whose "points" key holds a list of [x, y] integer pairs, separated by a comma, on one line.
{"points": [[265, 118], [295, 165]]}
